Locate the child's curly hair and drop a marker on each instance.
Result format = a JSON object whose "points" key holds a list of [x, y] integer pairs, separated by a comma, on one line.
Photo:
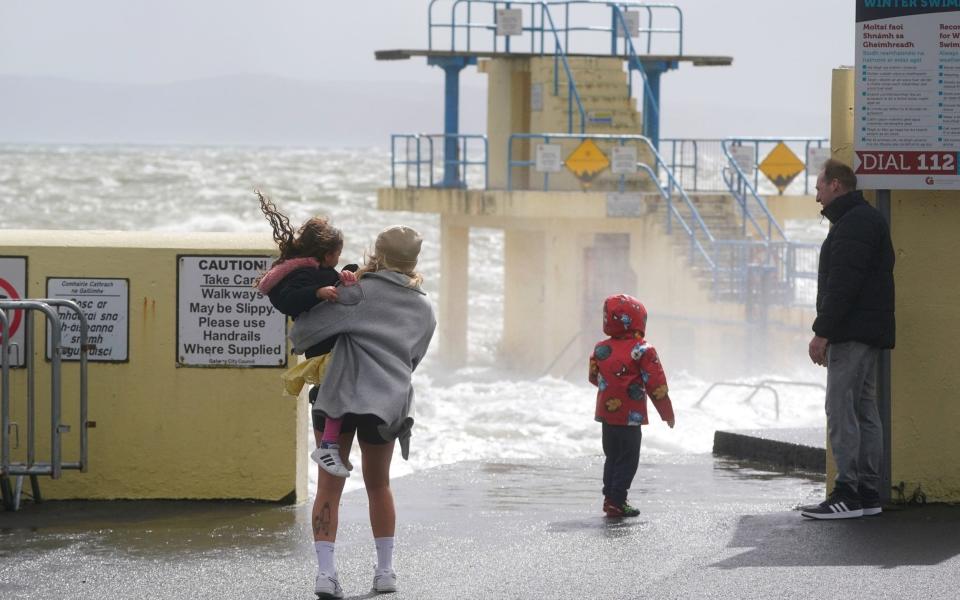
{"points": [[315, 239]]}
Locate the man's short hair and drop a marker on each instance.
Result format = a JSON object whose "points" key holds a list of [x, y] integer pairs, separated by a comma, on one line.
{"points": [[834, 169]]}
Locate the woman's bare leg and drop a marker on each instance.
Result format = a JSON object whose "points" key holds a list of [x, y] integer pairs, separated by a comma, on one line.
{"points": [[376, 478], [326, 505]]}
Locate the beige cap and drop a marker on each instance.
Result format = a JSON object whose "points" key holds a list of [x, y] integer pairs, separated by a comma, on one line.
{"points": [[399, 246]]}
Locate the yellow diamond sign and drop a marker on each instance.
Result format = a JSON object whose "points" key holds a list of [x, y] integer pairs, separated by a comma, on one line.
{"points": [[587, 161], [781, 166]]}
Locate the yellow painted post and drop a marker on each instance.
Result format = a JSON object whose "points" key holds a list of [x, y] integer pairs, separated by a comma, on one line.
{"points": [[925, 422], [454, 287]]}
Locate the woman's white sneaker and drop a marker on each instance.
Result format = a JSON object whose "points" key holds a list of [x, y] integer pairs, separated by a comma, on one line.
{"points": [[327, 587], [328, 457], [384, 581]]}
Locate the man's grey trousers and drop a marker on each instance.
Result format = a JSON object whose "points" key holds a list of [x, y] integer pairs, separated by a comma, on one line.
{"points": [[853, 419]]}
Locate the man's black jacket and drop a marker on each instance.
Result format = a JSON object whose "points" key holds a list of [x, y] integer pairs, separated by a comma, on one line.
{"points": [[855, 279]]}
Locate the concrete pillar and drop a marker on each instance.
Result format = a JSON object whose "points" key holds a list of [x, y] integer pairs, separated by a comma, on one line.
{"points": [[454, 287], [523, 297], [508, 111]]}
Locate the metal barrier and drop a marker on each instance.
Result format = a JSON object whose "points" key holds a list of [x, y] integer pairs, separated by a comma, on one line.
{"points": [[420, 163], [32, 467], [765, 384]]}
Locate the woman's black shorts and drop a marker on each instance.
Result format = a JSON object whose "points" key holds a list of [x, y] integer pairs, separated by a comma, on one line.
{"points": [[366, 425]]}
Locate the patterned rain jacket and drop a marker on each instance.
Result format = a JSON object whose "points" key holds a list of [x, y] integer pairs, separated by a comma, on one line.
{"points": [[625, 368]]}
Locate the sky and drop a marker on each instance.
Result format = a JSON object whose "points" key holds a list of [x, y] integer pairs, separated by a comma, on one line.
{"points": [[779, 83]]}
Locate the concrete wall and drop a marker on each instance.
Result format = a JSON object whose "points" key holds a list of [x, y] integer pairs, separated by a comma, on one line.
{"points": [[161, 431], [925, 420]]}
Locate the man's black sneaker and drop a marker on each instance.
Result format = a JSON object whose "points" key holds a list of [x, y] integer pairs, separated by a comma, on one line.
{"points": [[834, 507], [871, 507]]}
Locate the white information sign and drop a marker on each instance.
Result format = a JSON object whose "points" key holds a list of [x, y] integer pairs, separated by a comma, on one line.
{"points": [[106, 305], [13, 286], [907, 95], [745, 157], [549, 158], [815, 159], [509, 21], [536, 97], [222, 320], [632, 18], [623, 160], [625, 205]]}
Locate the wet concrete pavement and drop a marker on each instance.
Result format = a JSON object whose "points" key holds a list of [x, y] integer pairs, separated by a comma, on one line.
{"points": [[708, 529]]}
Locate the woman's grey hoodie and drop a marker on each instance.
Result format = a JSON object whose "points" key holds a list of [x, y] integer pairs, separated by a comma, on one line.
{"points": [[384, 328]]}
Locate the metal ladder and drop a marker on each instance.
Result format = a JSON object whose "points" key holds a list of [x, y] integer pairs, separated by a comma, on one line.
{"points": [[32, 467]]}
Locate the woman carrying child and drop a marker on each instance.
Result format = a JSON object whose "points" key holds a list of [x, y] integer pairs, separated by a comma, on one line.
{"points": [[383, 325]]}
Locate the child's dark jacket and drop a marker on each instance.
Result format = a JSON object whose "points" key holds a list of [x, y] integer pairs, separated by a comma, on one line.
{"points": [[292, 286], [625, 368]]}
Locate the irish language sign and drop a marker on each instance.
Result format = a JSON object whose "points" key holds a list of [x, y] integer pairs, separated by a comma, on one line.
{"points": [[907, 94], [13, 286], [106, 305], [222, 320]]}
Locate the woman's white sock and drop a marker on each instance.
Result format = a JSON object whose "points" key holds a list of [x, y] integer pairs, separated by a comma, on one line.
{"points": [[384, 553], [325, 557]]}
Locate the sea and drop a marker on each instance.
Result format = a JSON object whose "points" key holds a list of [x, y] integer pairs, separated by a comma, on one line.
{"points": [[480, 412]]}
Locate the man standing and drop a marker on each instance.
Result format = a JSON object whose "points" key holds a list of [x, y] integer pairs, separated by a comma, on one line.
{"points": [[854, 323]]}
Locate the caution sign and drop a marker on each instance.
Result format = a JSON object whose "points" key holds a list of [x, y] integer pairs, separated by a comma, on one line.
{"points": [[587, 161], [781, 166], [13, 286], [106, 305], [222, 320]]}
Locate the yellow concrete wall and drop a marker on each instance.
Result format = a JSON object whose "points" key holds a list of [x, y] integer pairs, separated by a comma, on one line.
{"points": [[925, 419], [161, 431]]}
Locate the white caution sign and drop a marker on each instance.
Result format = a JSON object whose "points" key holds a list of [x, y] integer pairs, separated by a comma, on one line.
{"points": [[106, 305], [745, 157], [632, 20], [13, 286], [222, 320], [815, 159], [509, 21], [549, 158], [623, 160]]}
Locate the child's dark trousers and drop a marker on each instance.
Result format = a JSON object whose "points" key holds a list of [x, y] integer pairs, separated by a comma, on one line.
{"points": [[621, 446]]}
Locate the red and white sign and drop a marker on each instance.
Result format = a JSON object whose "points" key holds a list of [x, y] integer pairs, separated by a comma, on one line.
{"points": [[13, 286], [906, 162]]}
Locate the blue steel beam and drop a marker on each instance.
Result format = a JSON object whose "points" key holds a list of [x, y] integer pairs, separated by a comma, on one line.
{"points": [[451, 65]]}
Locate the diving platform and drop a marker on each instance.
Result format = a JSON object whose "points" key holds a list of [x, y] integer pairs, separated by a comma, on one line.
{"points": [[695, 60]]}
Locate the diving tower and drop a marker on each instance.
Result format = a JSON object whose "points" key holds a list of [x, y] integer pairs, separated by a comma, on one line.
{"points": [[570, 169]]}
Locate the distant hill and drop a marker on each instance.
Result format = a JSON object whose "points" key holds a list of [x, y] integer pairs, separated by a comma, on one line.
{"points": [[243, 109]]}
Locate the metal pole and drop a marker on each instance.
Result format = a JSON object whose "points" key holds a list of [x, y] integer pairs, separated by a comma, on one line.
{"points": [[5, 393], [28, 343], [884, 397]]}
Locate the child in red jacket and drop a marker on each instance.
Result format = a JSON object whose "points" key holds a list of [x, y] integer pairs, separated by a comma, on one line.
{"points": [[625, 369]]}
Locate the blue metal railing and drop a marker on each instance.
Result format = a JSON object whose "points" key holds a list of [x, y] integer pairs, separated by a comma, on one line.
{"points": [[745, 191], [538, 32], [666, 191], [420, 163], [546, 26]]}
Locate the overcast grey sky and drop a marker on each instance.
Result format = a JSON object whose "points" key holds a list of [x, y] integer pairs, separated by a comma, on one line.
{"points": [[783, 50]]}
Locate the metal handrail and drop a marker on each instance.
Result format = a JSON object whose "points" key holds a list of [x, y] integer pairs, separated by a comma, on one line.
{"points": [[744, 181], [665, 191], [765, 384], [634, 62], [31, 467], [418, 139], [650, 9]]}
